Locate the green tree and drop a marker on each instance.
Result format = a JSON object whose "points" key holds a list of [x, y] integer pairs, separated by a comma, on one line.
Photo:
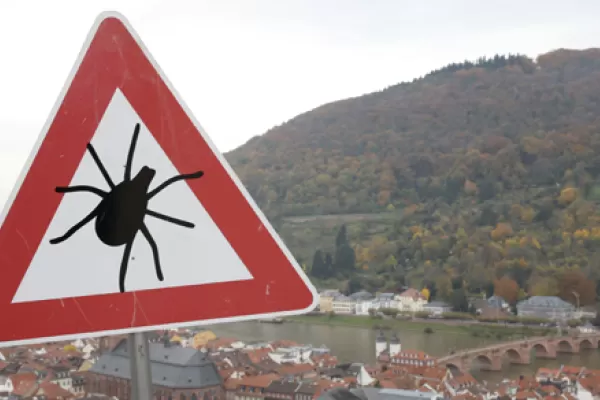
{"points": [[341, 239], [319, 267], [459, 301], [354, 285], [345, 258]]}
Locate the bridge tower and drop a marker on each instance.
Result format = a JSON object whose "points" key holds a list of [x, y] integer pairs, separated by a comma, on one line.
{"points": [[395, 345], [380, 344]]}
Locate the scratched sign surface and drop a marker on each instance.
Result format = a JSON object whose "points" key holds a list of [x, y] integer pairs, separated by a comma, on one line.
{"points": [[126, 217]]}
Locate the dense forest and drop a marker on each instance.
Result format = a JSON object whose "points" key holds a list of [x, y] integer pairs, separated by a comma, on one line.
{"points": [[479, 176]]}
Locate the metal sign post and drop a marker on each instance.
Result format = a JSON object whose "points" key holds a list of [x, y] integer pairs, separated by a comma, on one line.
{"points": [[141, 375]]}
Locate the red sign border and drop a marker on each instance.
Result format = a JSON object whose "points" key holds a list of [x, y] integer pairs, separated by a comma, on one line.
{"points": [[112, 57]]}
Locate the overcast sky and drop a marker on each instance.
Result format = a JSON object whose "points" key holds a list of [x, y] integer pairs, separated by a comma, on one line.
{"points": [[244, 66]]}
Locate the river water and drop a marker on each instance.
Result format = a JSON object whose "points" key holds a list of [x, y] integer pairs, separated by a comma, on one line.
{"points": [[358, 344]]}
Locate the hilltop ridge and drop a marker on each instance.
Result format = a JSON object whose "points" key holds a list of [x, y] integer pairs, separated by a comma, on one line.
{"points": [[483, 169]]}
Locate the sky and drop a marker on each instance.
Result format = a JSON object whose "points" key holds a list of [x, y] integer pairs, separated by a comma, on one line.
{"points": [[244, 66]]}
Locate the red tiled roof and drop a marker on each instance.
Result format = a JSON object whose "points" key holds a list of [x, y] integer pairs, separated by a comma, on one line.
{"points": [[325, 360], [24, 384], [526, 395], [231, 383], [413, 355], [218, 343], [323, 385], [591, 384], [388, 384], [54, 392], [294, 369], [283, 343], [550, 389], [413, 294], [261, 381], [258, 355]]}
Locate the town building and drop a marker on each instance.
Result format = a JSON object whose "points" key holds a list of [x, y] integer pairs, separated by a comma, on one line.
{"points": [[411, 300], [326, 300], [178, 373], [342, 304], [437, 307], [548, 307], [386, 300]]}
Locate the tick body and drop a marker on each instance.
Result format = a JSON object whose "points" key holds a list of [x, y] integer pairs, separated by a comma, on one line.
{"points": [[121, 212]]}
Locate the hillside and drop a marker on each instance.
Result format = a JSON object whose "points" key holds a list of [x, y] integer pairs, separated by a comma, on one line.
{"points": [[476, 172]]}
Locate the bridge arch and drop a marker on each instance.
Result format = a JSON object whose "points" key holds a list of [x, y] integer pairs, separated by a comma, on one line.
{"points": [[453, 367], [512, 355], [540, 349], [586, 344], [565, 345], [483, 361]]}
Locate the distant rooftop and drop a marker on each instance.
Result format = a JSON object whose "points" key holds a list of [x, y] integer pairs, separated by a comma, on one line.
{"points": [[546, 302], [172, 366], [496, 301], [341, 297], [362, 295]]}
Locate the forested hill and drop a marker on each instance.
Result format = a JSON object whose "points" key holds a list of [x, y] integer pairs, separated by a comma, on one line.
{"points": [[486, 167]]}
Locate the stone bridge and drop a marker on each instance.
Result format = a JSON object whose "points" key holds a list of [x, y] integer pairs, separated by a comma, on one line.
{"points": [[491, 358]]}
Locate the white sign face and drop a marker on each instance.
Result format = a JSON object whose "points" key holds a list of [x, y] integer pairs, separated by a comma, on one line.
{"points": [[84, 266]]}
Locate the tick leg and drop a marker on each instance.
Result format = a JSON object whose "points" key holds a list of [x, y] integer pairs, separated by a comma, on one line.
{"points": [[134, 138], [100, 165], [124, 264], [81, 188], [75, 228], [170, 219], [174, 179], [154, 247]]}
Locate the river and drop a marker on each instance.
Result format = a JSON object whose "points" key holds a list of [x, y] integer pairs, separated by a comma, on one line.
{"points": [[358, 344]]}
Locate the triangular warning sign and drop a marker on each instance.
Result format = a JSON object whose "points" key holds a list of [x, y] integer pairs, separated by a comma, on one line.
{"points": [[127, 218]]}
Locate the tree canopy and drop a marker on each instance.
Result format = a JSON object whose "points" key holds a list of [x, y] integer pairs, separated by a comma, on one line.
{"points": [[483, 172]]}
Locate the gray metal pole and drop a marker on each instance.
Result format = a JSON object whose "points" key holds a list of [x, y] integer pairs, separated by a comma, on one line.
{"points": [[141, 376]]}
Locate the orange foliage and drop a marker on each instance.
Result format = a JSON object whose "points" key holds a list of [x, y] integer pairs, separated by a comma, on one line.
{"points": [[506, 288], [574, 283], [502, 231], [567, 196], [470, 187]]}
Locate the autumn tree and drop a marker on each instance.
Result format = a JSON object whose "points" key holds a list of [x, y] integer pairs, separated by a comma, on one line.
{"points": [[69, 348], [547, 286], [574, 287], [507, 288], [426, 293], [487, 196]]}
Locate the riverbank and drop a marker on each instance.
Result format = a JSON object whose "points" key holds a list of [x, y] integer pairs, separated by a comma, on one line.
{"points": [[476, 329]]}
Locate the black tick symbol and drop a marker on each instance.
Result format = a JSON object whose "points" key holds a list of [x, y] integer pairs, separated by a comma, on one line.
{"points": [[120, 214]]}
